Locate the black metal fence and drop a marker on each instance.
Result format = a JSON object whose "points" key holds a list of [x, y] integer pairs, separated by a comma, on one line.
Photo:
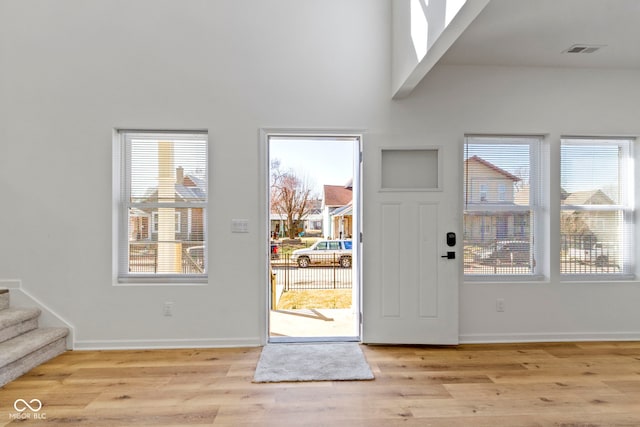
{"points": [[322, 272], [584, 254], [579, 254], [143, 257], [501, 257]]}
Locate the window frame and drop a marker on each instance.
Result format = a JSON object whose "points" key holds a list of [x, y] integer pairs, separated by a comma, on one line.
{"points": [[626, 206], [122, 204], [535, 206]]}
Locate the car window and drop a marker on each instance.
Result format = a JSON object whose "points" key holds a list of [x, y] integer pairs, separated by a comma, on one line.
{"points": [[334, 246], [347, 245], [322, 246]]}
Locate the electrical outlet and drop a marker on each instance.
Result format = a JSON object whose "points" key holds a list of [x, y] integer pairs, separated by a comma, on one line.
{"points": [[500, 305], [167, 309]]}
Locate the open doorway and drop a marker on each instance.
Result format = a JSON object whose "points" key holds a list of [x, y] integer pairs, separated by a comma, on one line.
{"points": [[314, 245]]}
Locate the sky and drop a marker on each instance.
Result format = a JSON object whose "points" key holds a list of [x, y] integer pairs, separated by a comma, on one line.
{"points": [[191, 155], [324, 162], [596, 168]]}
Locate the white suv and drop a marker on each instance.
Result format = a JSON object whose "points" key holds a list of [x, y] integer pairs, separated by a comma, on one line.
{"points": [[324, 252]]}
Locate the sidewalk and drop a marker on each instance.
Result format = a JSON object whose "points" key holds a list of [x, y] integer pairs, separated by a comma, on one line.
{"points": [[312, 323]]}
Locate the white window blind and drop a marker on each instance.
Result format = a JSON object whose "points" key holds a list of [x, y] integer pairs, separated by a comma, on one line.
{"points": [[163, 203], [501, 206], [596, 223]]}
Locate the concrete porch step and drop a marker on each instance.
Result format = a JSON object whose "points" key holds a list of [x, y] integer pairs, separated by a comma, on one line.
{"points": [[24, 352], [16, 321]]}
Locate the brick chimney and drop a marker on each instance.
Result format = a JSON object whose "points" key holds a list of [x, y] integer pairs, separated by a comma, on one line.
{"points": [[180, 175]]}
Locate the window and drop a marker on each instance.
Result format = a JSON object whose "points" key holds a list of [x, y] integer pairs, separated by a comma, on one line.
{"points": [[502, 192], [162, 202], [334, 246], [154, 227], [501, 206], [596, 224], [484, 189]]}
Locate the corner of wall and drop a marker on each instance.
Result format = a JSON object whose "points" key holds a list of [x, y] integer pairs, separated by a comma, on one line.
{"points": [[48, 317]]}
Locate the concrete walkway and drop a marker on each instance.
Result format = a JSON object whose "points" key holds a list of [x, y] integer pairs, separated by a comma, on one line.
{"points": [[313, 323]]}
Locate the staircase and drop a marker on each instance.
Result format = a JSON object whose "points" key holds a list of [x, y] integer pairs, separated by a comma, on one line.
{"points": [[23, 345]]}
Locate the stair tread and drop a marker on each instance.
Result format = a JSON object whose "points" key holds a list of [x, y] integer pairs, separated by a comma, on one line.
{"points": [[18, 347], [13, 316]]}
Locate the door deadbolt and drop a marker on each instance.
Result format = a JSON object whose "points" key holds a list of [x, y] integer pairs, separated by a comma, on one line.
{"points": [[451, 239]]}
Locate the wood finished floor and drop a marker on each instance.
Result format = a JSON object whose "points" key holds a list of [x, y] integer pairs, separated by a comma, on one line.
{"points": [[514, 385]]}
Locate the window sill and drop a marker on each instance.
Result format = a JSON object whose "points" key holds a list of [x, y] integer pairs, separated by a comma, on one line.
{"points": [[491, 279], [586, 278], [162, 281]]}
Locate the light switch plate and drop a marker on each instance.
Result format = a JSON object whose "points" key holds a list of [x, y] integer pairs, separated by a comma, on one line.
{"points": [[239, 225]]}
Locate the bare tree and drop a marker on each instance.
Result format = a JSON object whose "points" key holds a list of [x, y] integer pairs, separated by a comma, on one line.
{"points": [[291, 197], [573, 224], [522, 173]]}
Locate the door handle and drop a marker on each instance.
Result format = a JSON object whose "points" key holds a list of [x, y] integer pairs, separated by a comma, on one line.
{"points": [[449, 255]]}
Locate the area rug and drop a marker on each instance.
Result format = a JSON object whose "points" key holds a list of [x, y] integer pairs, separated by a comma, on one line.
{"points": [[312, 362]]}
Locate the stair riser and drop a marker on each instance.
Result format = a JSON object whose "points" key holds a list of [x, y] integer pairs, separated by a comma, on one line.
{"points": [[25, 364], [20, 328], [23, 346]]}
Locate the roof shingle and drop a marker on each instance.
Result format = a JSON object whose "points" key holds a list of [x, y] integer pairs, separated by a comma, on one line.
{"points": [[337, 195]]}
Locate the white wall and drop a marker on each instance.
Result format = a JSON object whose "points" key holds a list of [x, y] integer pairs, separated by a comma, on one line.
{"points": [[72, 71], [453, 101]]}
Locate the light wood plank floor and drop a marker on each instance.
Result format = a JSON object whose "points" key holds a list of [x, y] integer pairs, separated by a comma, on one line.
{"points": [[514, 385]]}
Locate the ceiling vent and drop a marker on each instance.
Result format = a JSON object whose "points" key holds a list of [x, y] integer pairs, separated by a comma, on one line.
{"points": [[584, 48]]}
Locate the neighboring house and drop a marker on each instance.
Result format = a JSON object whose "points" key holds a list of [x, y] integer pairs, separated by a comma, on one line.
{"points": [[489, 186], [310, 224], [342, 221], [314, 219], [588, 227], [143, 223], [337, 211]]}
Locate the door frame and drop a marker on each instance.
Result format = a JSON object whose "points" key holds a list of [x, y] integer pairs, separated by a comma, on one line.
{"points": [[264, 223]]}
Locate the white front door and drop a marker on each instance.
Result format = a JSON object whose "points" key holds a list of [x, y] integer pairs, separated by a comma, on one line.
{"points": [[410, 292]]}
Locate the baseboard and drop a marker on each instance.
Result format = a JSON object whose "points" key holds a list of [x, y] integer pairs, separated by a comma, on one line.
{"points": [[166, 344], [549, 337]]}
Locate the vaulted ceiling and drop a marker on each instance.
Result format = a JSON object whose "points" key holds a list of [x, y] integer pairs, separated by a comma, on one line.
{"points": [[539, 32]]}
